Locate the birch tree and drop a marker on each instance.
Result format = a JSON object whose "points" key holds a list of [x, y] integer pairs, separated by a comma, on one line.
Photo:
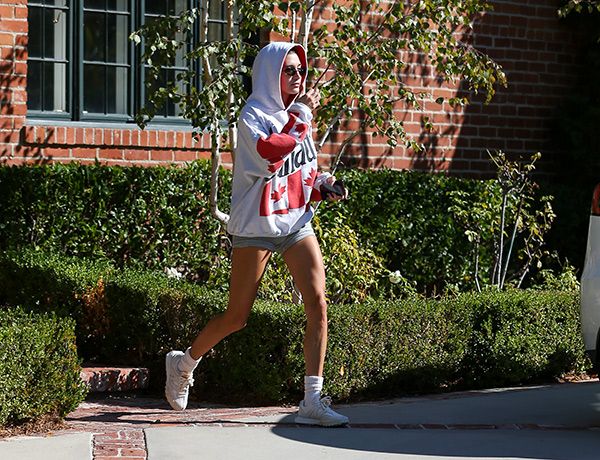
{"points": [[360, 61]]}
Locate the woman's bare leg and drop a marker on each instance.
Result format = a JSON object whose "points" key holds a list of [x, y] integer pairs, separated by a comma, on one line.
{"points": [[305, 262], [247, 268]]}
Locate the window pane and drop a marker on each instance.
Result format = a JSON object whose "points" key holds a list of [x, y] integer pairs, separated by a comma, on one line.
{"points": [[117, 38], [94, 79], [94, 30], [34, 85], [172, 109], [216, 32], [48, 34], [169, 109], [180, 55], [107, 5], [216, 10], [54, 87], [95, 4], [55, 34], [117, 5], [35, 32], [177, 6], [155, 7], [166, 7], [106, 89], [117, 88]]}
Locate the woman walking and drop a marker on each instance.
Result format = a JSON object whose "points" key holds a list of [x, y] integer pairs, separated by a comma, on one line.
{"points": [[275, 179]]}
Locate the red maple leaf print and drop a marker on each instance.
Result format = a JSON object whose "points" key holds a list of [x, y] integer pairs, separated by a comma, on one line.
{"points": [[310, 180], [277, 194]]}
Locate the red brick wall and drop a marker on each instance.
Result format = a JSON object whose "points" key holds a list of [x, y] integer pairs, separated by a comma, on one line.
{"points": [[539, 56], [13, 71], [536, 51], [114, 146]]}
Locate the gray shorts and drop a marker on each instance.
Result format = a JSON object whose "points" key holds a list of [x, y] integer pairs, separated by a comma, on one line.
{"points": [[274, 243]]}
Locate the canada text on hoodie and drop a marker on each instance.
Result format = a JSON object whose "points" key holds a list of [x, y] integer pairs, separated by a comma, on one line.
{"points": [[275, 171]]}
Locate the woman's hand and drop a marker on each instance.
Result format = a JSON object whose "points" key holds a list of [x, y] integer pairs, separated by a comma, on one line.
{"points": [[311, 99], [331, 180]]}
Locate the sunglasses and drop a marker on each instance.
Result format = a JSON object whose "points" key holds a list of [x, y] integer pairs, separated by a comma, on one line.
{"points": [[290, 70]]}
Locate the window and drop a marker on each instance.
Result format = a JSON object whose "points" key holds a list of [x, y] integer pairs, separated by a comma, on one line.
{"points": [[82, 65], [106, 57], [48, 61]]}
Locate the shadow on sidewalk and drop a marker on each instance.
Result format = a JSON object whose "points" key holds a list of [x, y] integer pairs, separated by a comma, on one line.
{"points": [[557, 422], [460, 444]]}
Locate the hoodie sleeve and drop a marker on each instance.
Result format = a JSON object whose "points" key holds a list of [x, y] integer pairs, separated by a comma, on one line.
{"points": [[270, 145]]}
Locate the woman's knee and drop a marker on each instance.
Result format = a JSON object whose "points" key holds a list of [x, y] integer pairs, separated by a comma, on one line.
{"points": [[234, 323], [316, 308]]}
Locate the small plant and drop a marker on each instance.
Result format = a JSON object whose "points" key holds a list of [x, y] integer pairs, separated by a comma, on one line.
{"points": [[565, 280], [518, 220]]}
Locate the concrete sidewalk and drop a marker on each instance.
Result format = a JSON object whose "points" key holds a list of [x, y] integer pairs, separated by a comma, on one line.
{"points": [[556, 422]]}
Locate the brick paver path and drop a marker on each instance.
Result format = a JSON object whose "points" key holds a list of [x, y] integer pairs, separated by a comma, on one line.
{"points": [[117, 424]]}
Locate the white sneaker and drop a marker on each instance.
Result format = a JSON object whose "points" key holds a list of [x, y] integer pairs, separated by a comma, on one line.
{"points": [[320, 414], [178, 383]]}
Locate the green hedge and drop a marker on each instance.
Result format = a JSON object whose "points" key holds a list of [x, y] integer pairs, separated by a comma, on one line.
{"points": [[375, 348], [407, 217], [142, 217], [39, 367], [159, 217]]}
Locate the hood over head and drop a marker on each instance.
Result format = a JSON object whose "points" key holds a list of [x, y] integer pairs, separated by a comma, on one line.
{"points": [[266, 75]]}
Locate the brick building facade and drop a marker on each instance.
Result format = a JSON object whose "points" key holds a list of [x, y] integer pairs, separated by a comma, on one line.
{"points": [[537, 52]]}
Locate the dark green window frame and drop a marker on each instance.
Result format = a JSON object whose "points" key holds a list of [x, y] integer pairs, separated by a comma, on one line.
{"points": [[62, 23]]}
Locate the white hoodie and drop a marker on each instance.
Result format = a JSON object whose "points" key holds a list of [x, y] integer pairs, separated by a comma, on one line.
{"points": [[275, 171]]}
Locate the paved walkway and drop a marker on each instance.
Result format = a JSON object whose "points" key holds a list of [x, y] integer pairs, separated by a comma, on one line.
{"points": [[557, 422]]}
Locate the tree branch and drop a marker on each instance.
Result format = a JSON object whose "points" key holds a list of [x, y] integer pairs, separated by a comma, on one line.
{"points": [[353, 55], [305, 26], [214, 174], [203, 38], [230, 96]]}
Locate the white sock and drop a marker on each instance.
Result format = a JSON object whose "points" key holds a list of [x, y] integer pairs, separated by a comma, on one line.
{"points": [[187, 364], [313, 384]]}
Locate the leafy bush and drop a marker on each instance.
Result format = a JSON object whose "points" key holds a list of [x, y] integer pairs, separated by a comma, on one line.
{"points": [[120, 314], [410, 220], [141, 217], [39, 368], [416, 224], [376, 348]]}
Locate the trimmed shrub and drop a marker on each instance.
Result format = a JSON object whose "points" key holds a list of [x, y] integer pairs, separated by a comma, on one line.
{"points": [[39, 368], [376, 348], [158, 218], [138, 217], [67, 286], [522, 335]]}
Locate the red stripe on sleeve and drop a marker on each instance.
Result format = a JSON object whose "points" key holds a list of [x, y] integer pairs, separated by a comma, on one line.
{"points": [[275, 146]]}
